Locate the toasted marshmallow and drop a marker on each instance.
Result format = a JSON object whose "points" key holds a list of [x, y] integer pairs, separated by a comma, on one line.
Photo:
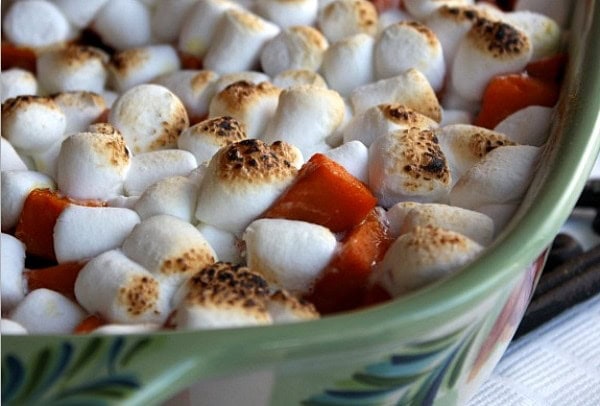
{"points": [[247, 176], [124, 24], [406, 45], [455, 116], [32, 123], [354, 157], [72, 68], [93, 165], [298, 47], [490, 48], [150, 167], [306, 115], [10, 327], [121, 290], [348, 63], [120, 329], [500, 213], [81, 108], [16, 186], [10, 159], [421, 9], [45, 311], [288, 13], [502, 176], [240, 34], [250, 76], [343, 18], [226, 245], [150, 117], [290, 254], [464, 145], [396, 215], [12, 258], [198, 28], [408, 165], [423, 256], [167, 18], [558, 10], [286, 308], [17, 82], [250, 104], [383, 119], [221, 295], [207, 137], [543, 32], [195, 89], [410, 88], [298, 77], [175, 196], [80, 14], [35, 24], [528, 126], [83, 232]]}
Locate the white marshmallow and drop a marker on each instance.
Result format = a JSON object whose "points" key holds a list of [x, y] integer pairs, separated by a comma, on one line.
{"points": [[81, 109], [44, 311], [9, 327], [297, 77], [423, 256], [558, 10], [348, 63], [408, 165], [168, 17], [410, 88], [150, 117], [243, 179], [250, 76], [46, 162], [288, 13], [354, 157], [32, 123], [120, 329], [240, 34], [175, 195], [502, 176], [17, 82], [343, 18], [528, 126], [290, 254], [207, 137], [10, 159], [124, 24], [501, 213], [543, 32], [454, 116], [124, 202], [121, 290], [83, 232], [16, 186], [396, 215], [35, 24], [298, 47], [226, 245], [250, 104], [12, 261], [195, 89], [421, 9], [80, 13], [150, 167], [286, 308], [406, 45], [92, 165], [391, 16]]}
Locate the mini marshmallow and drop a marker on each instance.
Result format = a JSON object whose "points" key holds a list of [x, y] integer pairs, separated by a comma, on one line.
{"points": [[410, 88], [396, 215], [124, 24], [12, 261], [175, 196], [290, 254], [198, 28], [423, 256], [72, 68], [32, 123], [195, 89], [10, 159], [528, 126], [298, 47], [286, 308], [82, 232], [250, 76], [10, 327], [406, 45], [35, 24], [383, 119], [81, 109], [354, 157], [421, 9], [92, 165], [454, 116], [16, 186], [80, 14], [121, 290], [286, 13], [207, 137], [150, 167], [124, 202], [46, 161], [500, 213], [250, 104], [167, 18], [297, 77], [342, 18], [240, 34], [391, 16], [17, 82], [45, 311], [543, 32], [243, 179], [120, 329], [348, 63], [221, 295], [306, 115], [490, 48], [150, 117], [225, 244], [408, 165], [502, 176], [135, 66]]}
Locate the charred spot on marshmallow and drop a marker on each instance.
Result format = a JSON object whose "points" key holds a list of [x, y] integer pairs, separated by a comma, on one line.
{"points": [[139, 295], [225, 129], [113, 146], [425, 157], [76, 55], [187, 262], [459, 14], [171, 130], [483, 142], [499, 38], [298, 306], [124, 61], [400, 114], [238, 93], [14, 104]]}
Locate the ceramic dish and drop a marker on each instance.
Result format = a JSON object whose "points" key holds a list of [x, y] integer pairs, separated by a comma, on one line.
{"points": [[434, 346]]}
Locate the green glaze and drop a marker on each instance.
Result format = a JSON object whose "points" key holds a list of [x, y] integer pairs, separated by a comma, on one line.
{"points": [[436, 345]]}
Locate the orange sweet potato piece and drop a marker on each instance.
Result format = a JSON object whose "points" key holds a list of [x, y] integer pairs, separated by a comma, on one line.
{"points": [[59, 278], [551, 68], [89, 324], [18, 57]]}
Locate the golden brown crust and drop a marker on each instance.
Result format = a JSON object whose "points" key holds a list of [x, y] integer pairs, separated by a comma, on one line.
{"points": [[188, 261], [239, 94], [139, 295], [76, 55], [14, 104], [112, 146], [482, 143], [400, 114], [224, 130], [311, 36], [499, 39], [129, 59]]}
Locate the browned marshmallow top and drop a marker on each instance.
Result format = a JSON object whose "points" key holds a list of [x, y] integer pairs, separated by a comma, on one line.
{"points": [[237, 95], [432, 238], [139, 295], [402, 115], [424, 160], [459, 13], [113, 146], [483, 142], [499, 39], [131, 59], [76, 55], [15, 104], [311, 35]]}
